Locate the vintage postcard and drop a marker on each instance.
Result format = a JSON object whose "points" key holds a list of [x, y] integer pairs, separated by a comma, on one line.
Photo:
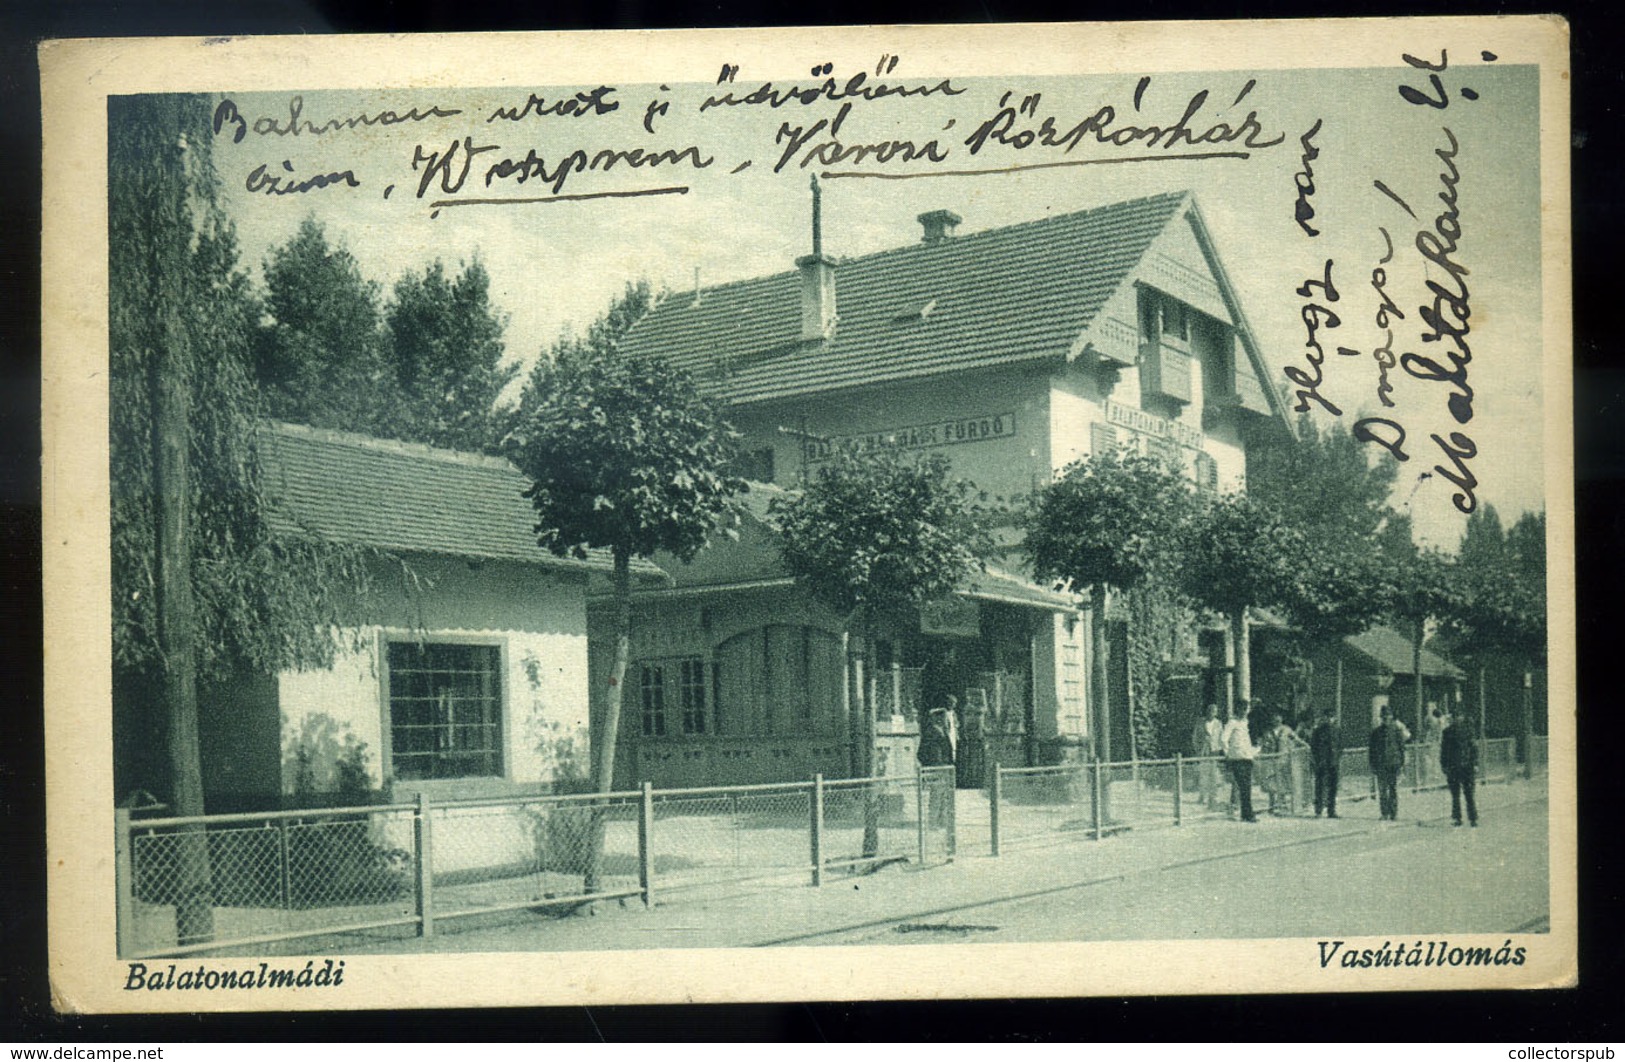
{"points": [[874, 513]]}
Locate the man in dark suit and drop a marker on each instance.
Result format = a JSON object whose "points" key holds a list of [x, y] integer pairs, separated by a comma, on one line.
{"points": [[1323, 759], [1387, 756], [1458, 756]]}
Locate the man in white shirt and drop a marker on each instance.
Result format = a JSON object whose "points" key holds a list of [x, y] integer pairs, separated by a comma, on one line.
{"points": [[1238, 758]]}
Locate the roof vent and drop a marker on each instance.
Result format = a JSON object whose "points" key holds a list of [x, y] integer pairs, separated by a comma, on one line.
{"points": [[939, 224]]}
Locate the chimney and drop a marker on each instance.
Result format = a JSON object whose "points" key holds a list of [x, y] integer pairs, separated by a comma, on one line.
{"points": [[817, 279], [817, 296], [939, 224]]}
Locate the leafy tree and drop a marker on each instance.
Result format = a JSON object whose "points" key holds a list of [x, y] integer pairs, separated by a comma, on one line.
{"points": [[875, 535], [445, 345], [1499, 625], [1427, 589], [200, 586], [623, 454], [1112, 521], [1322, 483], [319, 357], [1239, 555]]}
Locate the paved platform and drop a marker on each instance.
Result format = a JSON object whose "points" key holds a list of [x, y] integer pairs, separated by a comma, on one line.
{"points": [[1079, 874]]}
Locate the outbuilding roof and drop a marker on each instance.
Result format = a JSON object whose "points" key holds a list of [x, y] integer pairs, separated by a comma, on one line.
{"points": [[1392, 650], [1001, 296], [750, 559], [408, 497]]}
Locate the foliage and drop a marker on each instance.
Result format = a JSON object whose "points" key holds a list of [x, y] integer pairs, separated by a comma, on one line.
{"points": [[1322, 484], [260, 602], [1242, 554], [426, 368], [882, 533], [624, 453], [1501, 577], [319, 355], [445, 346], [1113, 518], [1159, 616]]}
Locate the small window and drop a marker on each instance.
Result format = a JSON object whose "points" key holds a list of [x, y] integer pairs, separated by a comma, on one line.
{"points": [[1175, 321], [756, 465], [445, 710], [652, 694], [693, 689], [686, 685], [1207, 473]]}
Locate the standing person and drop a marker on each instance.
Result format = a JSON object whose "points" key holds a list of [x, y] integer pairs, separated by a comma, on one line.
{"points": [[1387, 756], [1323, 758], [1238, 758], [1286, 769], [936, 750], [1458, 756], [1206, 742]]}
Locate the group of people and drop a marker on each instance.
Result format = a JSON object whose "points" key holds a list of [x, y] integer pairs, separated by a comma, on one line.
{"points": [[1232, 742]]}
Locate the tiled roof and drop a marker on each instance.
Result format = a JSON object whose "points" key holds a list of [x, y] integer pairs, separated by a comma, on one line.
{"points": [[1392, 650], [407, 497], [1004, 295]]}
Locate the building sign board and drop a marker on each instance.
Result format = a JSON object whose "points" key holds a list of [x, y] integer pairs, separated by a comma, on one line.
{"points": [[957, 617], [1143, 423], [948, 432]]}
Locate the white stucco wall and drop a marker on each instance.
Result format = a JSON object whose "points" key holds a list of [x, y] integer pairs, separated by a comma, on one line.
{"points": [[536, 617], [1007, 466]]}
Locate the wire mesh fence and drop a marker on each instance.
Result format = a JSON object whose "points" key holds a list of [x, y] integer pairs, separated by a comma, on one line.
{"points": [[1498, 759], [710, 835], [215, 882], [490, 856], [1034, 806], [186, 883]]}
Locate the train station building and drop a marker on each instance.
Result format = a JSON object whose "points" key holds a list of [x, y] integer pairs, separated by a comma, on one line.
{"points": [[1013, 350]]}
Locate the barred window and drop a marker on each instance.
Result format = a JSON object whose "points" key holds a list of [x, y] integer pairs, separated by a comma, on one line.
{"points": [[445, 710]]}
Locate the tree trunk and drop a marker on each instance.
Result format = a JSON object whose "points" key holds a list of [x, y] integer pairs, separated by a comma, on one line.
{"points": [[1483, 729], [1337, 691], [866, 706], [194, 907], [609, 730], [1244, 658], [1102, 721], [1416, 675]]}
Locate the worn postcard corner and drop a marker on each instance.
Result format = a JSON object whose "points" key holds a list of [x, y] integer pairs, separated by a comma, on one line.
{"points": [[885, 513]]}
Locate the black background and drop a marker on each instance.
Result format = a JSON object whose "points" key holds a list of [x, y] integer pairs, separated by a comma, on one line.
{"points": [[1591, 1012]]}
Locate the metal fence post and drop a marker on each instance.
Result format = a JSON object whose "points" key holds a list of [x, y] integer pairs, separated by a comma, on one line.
{"points": [[646, 857], [287, 871], [1098, 792], [995, 798], [952, 777], [922, 779], [424, 834], [124, 873], [1179, 789], [817, 829]]}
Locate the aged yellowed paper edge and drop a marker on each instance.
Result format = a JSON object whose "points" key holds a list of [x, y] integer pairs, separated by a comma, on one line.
{"points": [[78, 75]]}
